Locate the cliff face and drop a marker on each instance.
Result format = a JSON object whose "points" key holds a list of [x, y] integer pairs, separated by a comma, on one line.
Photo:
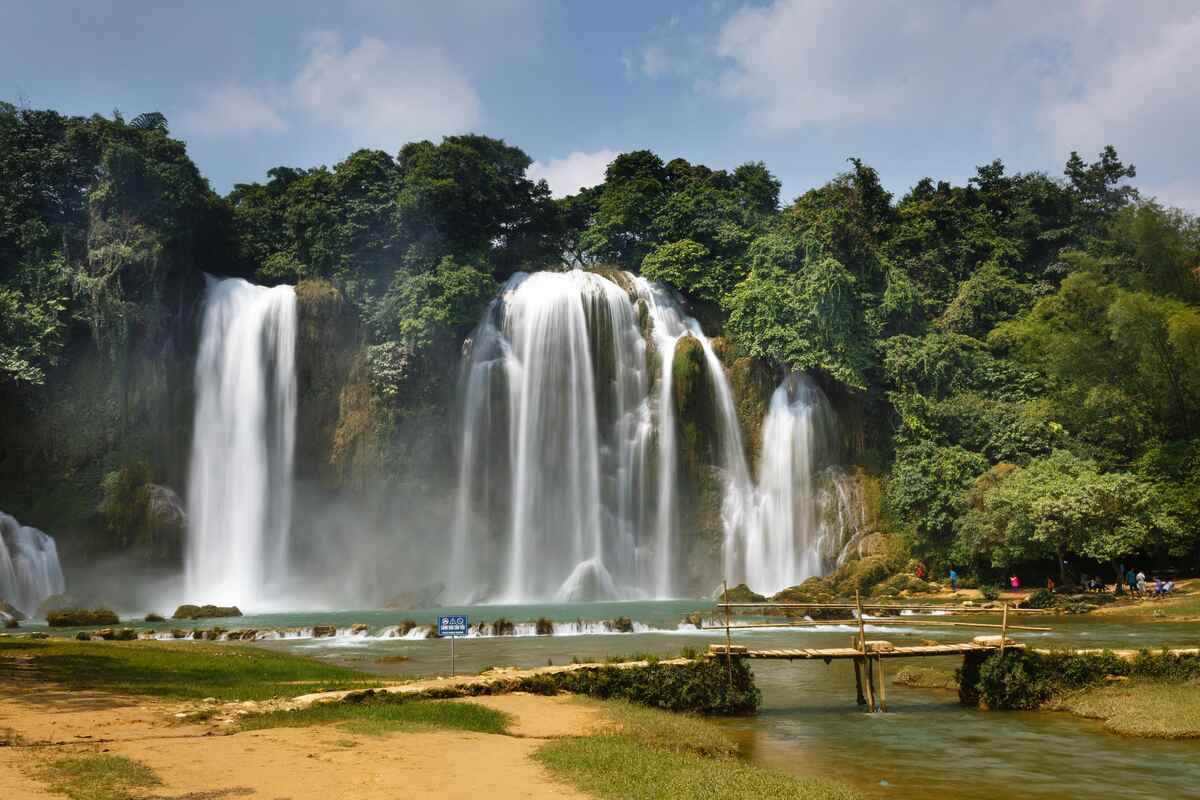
{"points": [[101, 409]]}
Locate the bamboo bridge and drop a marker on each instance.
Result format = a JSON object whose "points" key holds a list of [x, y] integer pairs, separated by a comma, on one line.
{"points": [[868, 655]]}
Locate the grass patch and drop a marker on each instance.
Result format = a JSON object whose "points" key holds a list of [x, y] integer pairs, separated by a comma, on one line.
{"points": [[383, 714], [1141, 708], [1185, 607], [654, 754], [191, 671], [927, 678], [98, 777]]}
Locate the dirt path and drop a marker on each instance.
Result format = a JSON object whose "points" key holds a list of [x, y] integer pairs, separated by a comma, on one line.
{"points": [[201, 760]]}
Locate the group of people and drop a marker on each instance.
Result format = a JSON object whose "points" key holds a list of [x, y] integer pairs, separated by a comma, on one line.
{"points": [[1135, 580], [1139, 587]]}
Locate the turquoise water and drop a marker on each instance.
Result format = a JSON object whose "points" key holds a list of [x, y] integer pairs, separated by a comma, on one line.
{"points": [[809, 724]]}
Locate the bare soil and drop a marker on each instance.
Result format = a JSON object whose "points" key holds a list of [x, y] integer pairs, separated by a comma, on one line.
{"points": [[198, 756]]}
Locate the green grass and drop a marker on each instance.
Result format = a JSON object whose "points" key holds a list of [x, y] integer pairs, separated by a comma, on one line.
{"points": [[190, 671], [1184, 607], [383, 715], [98, 777], [1139, 707], [654, 754]]}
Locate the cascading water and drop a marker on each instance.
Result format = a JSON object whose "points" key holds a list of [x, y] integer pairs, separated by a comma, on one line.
{"points": [[785, 539], [29, 568], [569, 471], [240, 485]]}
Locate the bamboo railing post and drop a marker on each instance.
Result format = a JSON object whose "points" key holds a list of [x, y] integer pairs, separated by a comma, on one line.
{"points": [[1004, 629], [728, 636], [862, 648], [858, 682]]}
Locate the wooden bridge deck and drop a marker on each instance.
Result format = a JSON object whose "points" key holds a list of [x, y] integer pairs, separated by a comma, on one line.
{"points": [[832, 653]]}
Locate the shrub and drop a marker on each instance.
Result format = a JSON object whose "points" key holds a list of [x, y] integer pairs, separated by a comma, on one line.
{"points": [[544, 627], [503, 627], [154, 618], [1022, 679], [621, 625], [990, 593], [1042, 598]]}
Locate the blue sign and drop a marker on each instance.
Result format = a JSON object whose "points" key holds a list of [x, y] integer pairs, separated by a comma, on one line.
{"points": [[453, 626]]}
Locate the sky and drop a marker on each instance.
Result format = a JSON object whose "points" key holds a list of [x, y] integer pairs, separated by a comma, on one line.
{"points": [[914, 89]]}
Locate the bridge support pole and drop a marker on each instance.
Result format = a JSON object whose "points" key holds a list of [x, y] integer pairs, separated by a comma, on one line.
{"points": [[882, 685], [858, 682]]}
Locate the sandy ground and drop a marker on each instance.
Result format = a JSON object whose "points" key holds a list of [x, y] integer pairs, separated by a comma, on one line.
{"points": [[202, 761]]}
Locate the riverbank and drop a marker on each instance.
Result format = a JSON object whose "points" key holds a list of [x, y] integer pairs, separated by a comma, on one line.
{"points": [[1146, 694], [204, 720]]}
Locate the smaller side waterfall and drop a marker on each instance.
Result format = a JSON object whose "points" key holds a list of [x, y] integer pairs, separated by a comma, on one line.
{"points": [[240, 487], [798, 516], [29, 568]]}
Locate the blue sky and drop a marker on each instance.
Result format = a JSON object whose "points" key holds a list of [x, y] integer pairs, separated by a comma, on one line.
{"points": [[914, 89]]}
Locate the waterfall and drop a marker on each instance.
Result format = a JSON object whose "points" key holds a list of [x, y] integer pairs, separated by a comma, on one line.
{"points": [[240, 485], [568, 473], [794, 519], [29, 568]]}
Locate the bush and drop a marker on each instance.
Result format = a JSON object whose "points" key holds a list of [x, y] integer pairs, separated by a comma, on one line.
{"points": [[990, 593], [621, 625], [544, 627], [1042, 598], [702, 686], [1022, 679], [154, 618]]}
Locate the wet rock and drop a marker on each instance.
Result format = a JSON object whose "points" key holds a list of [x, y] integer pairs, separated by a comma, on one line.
{"points": [[9, 611], [320, 631], [358, 629], [188, 611], [179, 633], [80, 617]]}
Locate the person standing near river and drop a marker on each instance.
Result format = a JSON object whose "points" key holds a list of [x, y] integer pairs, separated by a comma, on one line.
{"points": [[953, 581], [1015, 583]]}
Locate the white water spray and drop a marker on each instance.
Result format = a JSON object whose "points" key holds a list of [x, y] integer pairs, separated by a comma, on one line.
{"points": [[29, 568], [240, 486]]}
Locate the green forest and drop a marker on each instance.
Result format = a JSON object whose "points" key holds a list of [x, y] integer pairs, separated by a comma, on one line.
{"points": [[1018, 356]]}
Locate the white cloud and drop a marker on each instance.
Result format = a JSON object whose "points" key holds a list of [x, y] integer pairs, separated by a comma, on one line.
{"points": [[232, 110], [1046, 78], [384, 95], [572, 172]]}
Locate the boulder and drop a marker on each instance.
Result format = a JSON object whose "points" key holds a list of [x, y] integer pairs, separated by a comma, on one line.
{"points": [[80, 617], [320, 631], [188, 611], [358, 629], [9, 622], [8, 610], [739, 594]]}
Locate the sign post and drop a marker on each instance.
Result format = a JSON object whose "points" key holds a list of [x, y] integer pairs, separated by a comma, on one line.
{"points": [[451, 627]]}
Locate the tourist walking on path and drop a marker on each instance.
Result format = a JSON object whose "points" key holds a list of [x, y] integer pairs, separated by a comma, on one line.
{"points": [[953, 581], [1131, 580], [1141, 583], [1015, 583]]}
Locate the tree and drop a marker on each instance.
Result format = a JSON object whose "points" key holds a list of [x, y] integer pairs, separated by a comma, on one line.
{"points": [[802, 313]]}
